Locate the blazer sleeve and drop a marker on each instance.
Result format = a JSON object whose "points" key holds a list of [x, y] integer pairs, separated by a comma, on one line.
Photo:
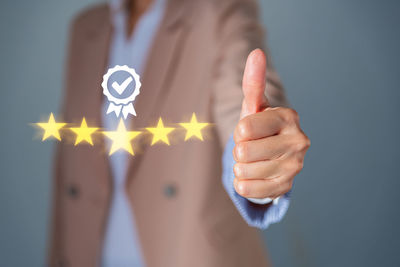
{"points": [[238, 33], [55, 240]]}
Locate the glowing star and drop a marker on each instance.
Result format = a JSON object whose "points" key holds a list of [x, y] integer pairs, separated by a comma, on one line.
{"points": [[160, 133], [121, 138], [83, 133], [193, 128], [51, 128]]}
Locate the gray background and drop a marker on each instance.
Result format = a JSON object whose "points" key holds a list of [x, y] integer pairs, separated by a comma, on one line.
{"points": [[339, 63]]}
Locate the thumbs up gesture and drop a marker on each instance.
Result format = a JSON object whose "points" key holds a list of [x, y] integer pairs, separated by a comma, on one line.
{"points": [[269, 143]]}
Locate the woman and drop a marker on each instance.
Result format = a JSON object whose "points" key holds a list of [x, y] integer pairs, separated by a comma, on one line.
{"points": [[166, 206]]}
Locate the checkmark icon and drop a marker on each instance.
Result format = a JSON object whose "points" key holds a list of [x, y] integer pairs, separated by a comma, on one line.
{"points": [[120, 88]]}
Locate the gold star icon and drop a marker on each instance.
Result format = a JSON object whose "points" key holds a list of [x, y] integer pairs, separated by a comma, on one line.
{"points": [[51, 128], [83, 133], [193, 128], [160, 133], [121, 138]]}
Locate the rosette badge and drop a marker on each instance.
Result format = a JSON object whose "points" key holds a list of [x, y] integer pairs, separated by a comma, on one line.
{"points": [[121, 85]]}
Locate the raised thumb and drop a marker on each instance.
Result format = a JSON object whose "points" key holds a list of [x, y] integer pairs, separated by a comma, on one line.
{"points": [[253, 84]]}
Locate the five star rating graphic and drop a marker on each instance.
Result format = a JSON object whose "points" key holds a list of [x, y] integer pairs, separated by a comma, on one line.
{"points": [[51, 128], [121, 138], [160, 133], [83, 133], [193, 128]]}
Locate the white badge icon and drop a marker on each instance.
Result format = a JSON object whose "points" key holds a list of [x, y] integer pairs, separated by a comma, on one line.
{"points": [[123, 93]]}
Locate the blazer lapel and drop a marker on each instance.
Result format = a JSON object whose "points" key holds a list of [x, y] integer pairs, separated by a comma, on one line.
{"points": [[98, 39], [160, 63], [159, 71]]}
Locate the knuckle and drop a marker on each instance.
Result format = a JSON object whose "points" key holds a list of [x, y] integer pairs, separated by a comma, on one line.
{"points": [[294, 114], [307, 141], [299, 146], [279, 187], [236, 170], [298, 166], [288, 166], [242, 153], [290, 115], [302, 143], [234, 154], [292, 167], [245, 128], [239, 170], [282, 187], [296, 146], [287, 187], [242, 188]]}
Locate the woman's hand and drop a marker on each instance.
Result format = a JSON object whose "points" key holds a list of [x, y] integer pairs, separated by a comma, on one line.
{"points": [[270, 145]]}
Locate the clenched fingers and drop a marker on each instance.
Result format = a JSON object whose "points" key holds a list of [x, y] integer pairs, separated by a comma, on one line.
{"points": [[271, 188]]}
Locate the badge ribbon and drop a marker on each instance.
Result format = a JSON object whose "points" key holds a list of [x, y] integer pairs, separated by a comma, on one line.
{"points": [[125, 104]]}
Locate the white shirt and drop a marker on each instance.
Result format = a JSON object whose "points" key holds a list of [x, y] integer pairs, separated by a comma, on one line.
{"points": [[121, 246]]}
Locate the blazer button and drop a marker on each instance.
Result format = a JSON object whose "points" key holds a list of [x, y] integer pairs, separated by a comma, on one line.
{"points": [[62, 263], [72, 191], [170, 191]]}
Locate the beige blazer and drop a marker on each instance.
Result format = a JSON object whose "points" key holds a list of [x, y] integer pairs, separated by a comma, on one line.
{"points": [[183, 215]]}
